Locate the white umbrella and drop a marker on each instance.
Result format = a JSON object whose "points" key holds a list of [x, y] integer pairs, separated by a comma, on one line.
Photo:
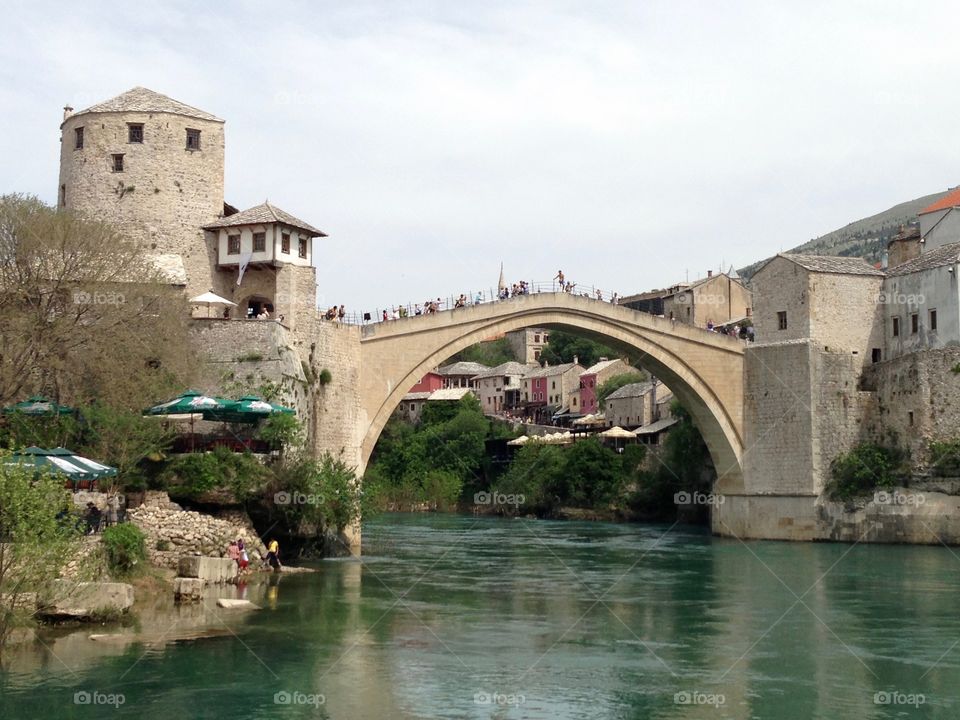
{"points": [[618, 432], [211, 298], [522, 440]]}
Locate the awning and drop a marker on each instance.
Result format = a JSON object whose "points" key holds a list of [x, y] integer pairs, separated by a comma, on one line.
{"points": [[658, 426]]}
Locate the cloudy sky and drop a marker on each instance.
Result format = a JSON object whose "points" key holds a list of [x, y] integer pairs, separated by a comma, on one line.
{"points": [[633, 144]]}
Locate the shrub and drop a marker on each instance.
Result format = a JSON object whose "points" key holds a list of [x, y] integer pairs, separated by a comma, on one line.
{"points": [[163, 545], [945, 458], [281, 430], [325, 377], [194, 474], [864, 468], [125, 546]]}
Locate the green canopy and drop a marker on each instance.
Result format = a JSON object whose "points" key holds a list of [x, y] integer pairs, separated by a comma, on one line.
{"points": [[248, 409], [61, 462], [190, 402], [38, 405]]}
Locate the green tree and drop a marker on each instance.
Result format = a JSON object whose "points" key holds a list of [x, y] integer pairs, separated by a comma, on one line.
{"points": [[593, 474], [613, 384], [563, 347], [490, 353], [35, 538]]}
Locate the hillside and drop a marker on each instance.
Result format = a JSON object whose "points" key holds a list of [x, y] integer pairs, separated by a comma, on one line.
{"points": [[866, 238]]}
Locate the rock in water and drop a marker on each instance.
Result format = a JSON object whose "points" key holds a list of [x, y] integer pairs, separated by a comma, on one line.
{"points": [[229, 604]]}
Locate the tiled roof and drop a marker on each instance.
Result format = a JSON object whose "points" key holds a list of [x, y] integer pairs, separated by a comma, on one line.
{"points": [[416, 396], [631, 391], [262, 214], [507, 368], [463, 368], [938, 257], [602, 365], [551, 370], [140, 99], [833, 264], [448, 394], [951, 199]]}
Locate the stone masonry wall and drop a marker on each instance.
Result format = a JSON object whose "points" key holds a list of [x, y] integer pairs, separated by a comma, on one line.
{"points": [[165, 193], [917, 400], [845, 313], [781, 285]]}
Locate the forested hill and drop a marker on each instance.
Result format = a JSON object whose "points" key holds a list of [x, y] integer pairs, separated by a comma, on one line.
{"points": [[866, 238]]}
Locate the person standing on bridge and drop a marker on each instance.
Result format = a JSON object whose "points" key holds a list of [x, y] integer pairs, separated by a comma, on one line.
{"points": [[559, 278]]}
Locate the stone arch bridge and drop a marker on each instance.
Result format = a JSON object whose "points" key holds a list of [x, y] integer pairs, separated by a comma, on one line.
{"points": [[705, 370]]}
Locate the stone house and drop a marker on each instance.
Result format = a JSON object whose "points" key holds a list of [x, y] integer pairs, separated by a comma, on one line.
{"points": [[584, 400], [500, 388], [428, 383], [460, 374], [921, 302], [547, 390], [638, 404], [718, 298], [411, 407], [832, 299], [528, 343]]}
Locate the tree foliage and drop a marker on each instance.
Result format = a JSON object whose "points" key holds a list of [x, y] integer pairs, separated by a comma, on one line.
{"points": [[125, 546], [35, 539], [866, 467], [84, 314], [491, 353], [563, 347]]}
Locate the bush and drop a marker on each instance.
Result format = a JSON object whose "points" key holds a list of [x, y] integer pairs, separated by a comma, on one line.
{"points": [[125, 546], [945, 458], [864, 468], [281, 430], [322, 493], [190, 476]]}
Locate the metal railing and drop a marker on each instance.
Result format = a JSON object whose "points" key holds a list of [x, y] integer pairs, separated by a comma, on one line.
{"points": [[469, 298]]}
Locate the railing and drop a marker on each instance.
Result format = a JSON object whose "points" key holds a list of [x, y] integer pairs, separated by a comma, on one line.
{"points": [[466, 299]]}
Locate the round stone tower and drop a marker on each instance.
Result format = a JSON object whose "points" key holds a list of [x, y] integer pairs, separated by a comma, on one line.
{"points": [[152, 166]]}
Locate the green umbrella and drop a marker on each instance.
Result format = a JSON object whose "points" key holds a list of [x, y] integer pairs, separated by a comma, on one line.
{"points": [[248, 409], [60, 461], [190, 402], [38, 405]]}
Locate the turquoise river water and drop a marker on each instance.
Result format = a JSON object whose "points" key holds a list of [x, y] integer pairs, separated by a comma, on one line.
{"points": [[457, 617]]}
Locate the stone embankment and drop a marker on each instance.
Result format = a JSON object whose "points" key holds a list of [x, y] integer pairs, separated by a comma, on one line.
{"points": [[173, 532]]}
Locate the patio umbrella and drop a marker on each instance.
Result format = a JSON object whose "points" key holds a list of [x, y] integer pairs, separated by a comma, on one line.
{"points": [[211, 298], [97, 470], [522, 440], [188, 403], [38, 405], [60, 461], [618, 433], [248, 409]]}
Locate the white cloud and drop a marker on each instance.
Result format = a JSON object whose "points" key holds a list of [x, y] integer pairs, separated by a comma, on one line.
{"points": [[628, 143]]}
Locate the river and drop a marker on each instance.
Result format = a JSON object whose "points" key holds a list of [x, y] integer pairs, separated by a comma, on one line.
{"points": [[457, 617]]}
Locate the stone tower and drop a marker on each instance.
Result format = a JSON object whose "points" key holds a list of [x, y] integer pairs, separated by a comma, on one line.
{"points": [[153, 166]]}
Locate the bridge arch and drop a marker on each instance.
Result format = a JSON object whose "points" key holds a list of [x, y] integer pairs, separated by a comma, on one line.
{"points": [[704, 370]]}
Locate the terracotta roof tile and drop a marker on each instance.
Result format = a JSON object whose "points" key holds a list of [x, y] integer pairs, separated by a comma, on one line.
{"points": [[951, 199]]}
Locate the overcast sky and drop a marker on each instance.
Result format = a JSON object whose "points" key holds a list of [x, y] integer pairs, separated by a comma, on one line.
{"points": [[633, 144]]}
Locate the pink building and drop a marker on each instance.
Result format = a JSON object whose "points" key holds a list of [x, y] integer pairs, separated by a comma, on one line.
{"points": [[592, 378], [428, 383]]}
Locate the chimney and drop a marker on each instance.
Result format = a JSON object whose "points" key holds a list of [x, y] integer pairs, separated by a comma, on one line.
{"points": [[67, 111], [576, 360], [709, 273]]}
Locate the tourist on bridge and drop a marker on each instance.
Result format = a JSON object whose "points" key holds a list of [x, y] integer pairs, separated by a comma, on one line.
{"points": [[559, 278]]}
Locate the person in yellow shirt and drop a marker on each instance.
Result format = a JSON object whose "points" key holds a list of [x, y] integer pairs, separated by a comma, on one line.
{"points": [[273, 555]]}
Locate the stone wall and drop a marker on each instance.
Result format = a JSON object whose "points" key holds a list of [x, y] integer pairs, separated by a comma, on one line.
{"points": [[780, 285], [165, 193], [917, 400], [845, 313], [191, 533]]}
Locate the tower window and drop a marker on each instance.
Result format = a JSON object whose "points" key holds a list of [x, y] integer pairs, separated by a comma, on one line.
{"points": [[782, 320], [303, 247], [933, 321], [914, 323], [193, 139], [259, 242], [118, 162], [233, 245], [135, 132], [896, 327], [63, 196], [285, 243], [78, 138]]}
